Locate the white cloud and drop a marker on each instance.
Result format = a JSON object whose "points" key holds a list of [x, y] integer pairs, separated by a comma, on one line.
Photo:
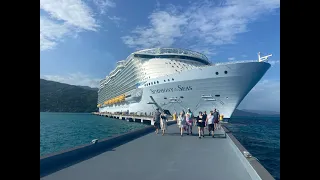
{"points": [[164, 29], [50, 33], [102, 5], [74, 79], [264, 96], [116, 20], [208, 23], [66, 17], [231, 58], [73, 12]]}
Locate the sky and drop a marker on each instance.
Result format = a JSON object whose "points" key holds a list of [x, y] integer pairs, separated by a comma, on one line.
{"points": [[81, 40]]}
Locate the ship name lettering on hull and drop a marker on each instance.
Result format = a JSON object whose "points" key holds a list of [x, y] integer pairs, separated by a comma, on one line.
{"points": [[178, 88]]}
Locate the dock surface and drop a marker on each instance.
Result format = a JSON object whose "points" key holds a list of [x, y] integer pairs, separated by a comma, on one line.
{"points": [[157, 157]]}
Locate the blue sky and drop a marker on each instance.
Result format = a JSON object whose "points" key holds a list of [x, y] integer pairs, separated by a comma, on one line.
{"points": [[81, 40]]}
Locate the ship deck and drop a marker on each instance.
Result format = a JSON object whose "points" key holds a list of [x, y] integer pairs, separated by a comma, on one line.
{"points": [[170, 157]]}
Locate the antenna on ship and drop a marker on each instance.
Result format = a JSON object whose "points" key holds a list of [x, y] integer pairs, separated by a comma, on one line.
{"points": [[263, 58]]}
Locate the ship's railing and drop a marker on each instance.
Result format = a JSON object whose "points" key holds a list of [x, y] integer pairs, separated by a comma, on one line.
{"points": [[155, 51], [234, 62]]}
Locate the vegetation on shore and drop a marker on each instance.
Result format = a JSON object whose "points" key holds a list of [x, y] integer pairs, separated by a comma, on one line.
{"points": [[60, 97]]}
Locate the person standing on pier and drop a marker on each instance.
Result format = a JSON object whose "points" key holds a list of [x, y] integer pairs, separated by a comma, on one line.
{"points": [[156, 119], [163, 122], [200, 123], [216, 118], [189, 121], [174, 116], [181, 123], [210, 123]]}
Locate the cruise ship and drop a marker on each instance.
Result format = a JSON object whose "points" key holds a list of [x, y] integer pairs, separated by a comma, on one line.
{"points": [[177, 79]]}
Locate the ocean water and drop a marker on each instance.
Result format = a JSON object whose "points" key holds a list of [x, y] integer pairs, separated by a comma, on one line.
{"points": [[261, 137], [60, 131]]}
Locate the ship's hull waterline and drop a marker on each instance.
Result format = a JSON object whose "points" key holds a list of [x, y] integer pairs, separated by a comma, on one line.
{"points": [[202, 89]]}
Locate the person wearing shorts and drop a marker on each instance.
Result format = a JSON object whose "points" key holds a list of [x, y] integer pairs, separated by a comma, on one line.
{"points": [[210, 123], [201, 123]]}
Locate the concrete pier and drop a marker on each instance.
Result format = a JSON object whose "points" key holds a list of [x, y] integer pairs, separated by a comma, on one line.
{"points": [[144, 155]]}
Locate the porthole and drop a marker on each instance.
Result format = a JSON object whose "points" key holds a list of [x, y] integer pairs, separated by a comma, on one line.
{"points": [[151, 83], [217, 73], [226, 72], [164, 80], [168, 79], [154, 82], [157, 82], [172, 79], [217, 95]]}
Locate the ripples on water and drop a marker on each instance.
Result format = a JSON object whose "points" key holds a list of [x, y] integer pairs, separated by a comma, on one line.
{"points": [[61, 131], [261, 137]]}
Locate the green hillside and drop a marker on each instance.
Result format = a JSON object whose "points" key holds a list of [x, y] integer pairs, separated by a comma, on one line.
{"points": [[59, 97]]}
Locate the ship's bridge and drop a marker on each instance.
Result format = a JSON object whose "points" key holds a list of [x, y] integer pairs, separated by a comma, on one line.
{"points": [[171, 53]]}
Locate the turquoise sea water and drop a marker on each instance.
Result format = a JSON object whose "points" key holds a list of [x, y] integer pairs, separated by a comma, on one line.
{"points": [[60, 131]]}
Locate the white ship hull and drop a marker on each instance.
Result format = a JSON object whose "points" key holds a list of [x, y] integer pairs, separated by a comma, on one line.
{"points": [[198, 89]]}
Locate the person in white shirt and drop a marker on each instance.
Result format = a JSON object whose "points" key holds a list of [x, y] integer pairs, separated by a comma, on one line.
{"points": [[210, 123], [181, 123], [163, 122]]}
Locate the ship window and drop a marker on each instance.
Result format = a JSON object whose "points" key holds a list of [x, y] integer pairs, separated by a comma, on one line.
{"points": [[151, 83], [174, 63], [217, 73], [168, 79], [164, 80], [172, 79], [181, 96], [173, 66], [157, 82], [226, 72], [217, 95], [154, 82]]}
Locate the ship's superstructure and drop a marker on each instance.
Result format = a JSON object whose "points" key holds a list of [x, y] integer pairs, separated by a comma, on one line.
{"points": [[176, 79]]}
